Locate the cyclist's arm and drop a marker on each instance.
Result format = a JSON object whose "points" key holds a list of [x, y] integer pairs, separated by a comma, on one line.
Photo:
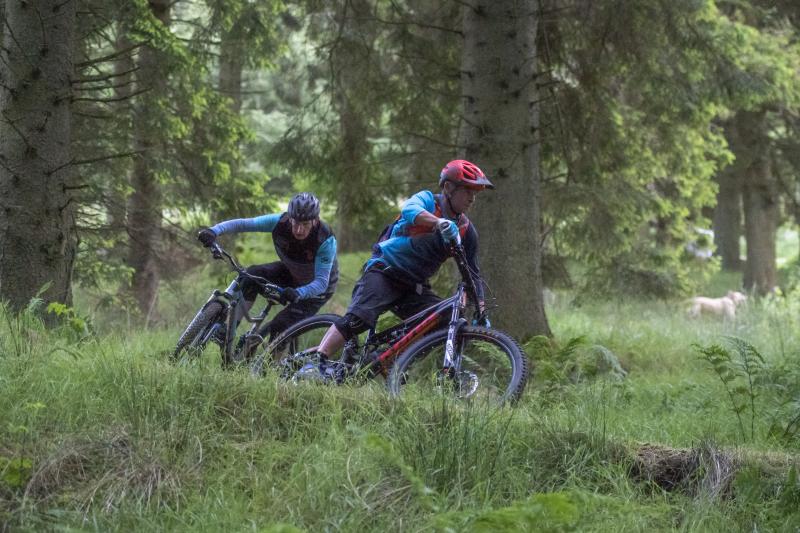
{"points": [[471, 251], [323, 264], [264, 223], [419, 209]]}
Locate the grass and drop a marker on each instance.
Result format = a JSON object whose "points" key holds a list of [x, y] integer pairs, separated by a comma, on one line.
{"points": [[101, 433]]}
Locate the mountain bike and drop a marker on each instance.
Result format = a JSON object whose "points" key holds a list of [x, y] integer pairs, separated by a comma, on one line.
{"points": [[436, 349], [217, 319]]}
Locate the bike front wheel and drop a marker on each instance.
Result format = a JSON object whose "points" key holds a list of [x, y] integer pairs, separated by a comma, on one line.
{"points": [[300, 337], [490, 366], [194, 338]]}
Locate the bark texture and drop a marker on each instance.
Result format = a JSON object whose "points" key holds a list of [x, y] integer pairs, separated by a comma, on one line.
{"points": [[760, 196], [37, 235], [500, 134], [728, 211], [350, 64], [231, 66], [144, 203], [728, 220]]}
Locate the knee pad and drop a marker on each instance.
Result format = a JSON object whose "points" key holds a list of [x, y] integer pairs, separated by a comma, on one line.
{"points": [[350, 325]]}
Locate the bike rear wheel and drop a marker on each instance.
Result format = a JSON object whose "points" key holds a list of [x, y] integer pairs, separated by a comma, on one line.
{"points": [[193, 340], [492, 367], [299, 337]]}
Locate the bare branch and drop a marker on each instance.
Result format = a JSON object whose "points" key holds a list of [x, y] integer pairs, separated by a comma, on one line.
{"points": [[106, 157], [112, 100], [109, 57], [59, 6], [465, 4], [14, 37], [418, 24], [90, 115], [14, 127], [106, 87], [59, 167], [103, 77]]}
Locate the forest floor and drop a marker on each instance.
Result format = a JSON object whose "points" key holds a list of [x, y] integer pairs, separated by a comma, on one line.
{"points": [[628, 428]]}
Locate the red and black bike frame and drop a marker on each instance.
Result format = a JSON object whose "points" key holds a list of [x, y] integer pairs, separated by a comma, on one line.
{"points": [[431, 318]]}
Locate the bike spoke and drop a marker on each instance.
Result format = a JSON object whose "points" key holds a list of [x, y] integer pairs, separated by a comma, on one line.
{"points": [[484, 371]]}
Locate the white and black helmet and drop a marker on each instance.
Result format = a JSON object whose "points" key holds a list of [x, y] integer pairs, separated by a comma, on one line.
{"points": [[304, 206]]}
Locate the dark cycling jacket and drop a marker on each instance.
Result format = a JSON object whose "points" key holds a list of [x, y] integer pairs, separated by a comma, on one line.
{"points": [[312, 262], [416, 252]]}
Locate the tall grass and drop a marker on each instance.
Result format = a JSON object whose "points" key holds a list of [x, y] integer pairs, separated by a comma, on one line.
{"points": [[101, 432]]}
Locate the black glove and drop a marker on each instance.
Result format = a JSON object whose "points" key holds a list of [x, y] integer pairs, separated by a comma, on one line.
{"points": [[207, 237], [289, 295]]}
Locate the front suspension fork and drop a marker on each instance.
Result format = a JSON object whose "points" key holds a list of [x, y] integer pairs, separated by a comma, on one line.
{"points": [[452, 348]]}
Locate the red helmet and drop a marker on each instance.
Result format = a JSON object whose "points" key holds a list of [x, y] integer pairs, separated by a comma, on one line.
{"points": [[462, 172]]}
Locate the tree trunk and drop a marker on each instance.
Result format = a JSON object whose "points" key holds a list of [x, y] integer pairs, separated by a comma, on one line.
{"points": [[231, 65], [350, 235], [728, 219], [728, 211], [760, 193], [123, 67], [144, 203], [349, 66], [37, 235], [500, 134]]}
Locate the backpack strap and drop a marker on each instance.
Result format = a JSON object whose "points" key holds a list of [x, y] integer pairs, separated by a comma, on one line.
{"points": [[416, 229], [463, 220]]}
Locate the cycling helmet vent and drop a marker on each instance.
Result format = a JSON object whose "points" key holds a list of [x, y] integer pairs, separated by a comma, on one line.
{"points": [[304, 206], [462, 172]]}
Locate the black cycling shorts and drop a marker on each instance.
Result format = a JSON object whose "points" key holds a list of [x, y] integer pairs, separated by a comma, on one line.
{"points": [[379, 290]]}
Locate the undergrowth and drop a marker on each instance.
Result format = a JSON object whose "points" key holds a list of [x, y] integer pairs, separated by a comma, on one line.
{"points": [[99, 431]]}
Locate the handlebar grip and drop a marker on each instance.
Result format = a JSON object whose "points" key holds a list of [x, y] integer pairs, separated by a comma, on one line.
{"points": [[443, 225]]}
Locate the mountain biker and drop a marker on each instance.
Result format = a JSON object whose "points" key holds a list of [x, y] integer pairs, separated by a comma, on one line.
{"points": [[308, 269], [407, 254]]}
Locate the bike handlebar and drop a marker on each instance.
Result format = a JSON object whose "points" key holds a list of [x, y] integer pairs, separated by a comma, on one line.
{"points": [[270, 290]]}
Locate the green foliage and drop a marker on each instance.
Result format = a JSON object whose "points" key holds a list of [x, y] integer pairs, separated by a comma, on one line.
{"points": [[561, 367], [738, 376], [76, 327], [636, 115], [115, 432], [390, 456], [185, 129], [15, 472], [773, 499], [551, 512], [756, 389]]}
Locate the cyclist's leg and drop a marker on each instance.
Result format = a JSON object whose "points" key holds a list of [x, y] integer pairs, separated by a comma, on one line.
{"points": [[412, 302], [276, 273], [293, 313], [373, 294]]}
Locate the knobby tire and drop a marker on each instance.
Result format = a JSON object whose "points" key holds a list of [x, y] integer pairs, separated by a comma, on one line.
{"points": [[509, 361], [290, 341], [189, 340]]}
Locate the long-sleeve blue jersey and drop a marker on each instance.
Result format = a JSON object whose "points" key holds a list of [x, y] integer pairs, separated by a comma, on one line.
{"points": [[419, 252], [311, 262]]}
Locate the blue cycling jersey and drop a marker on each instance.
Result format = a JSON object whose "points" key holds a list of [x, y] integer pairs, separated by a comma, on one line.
{"points": [[418, 256], [311, 262]]}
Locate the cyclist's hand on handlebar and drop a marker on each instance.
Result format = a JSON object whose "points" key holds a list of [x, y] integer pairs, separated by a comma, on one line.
{"points": [[207, 237], [448, 230], [289, 295]]}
